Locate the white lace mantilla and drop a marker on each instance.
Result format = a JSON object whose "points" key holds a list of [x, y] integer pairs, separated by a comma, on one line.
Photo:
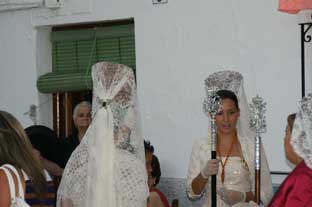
{"points": [[301, 138], [107, 169]]}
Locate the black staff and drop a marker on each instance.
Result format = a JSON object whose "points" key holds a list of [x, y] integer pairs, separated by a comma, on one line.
{"points": [[211, 108]]}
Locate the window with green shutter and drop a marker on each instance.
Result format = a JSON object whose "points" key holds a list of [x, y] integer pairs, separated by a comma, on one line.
{"points": [[74, 51]]}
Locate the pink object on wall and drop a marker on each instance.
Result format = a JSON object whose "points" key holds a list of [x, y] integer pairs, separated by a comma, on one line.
{"points": [[294, 6]]}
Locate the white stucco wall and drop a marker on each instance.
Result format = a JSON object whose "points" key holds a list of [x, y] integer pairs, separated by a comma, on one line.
{"points": [[18, 64], [177, 46]]}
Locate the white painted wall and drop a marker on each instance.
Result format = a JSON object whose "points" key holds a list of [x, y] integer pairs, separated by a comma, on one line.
{"points": [[18, 64], [177, 46]]}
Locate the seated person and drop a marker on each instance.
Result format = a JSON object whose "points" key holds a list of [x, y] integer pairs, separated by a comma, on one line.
{"points": [[296, 189], [44, 140], [149, 150], [32, 199], [291, 155], [157, 198], [82, 120]]}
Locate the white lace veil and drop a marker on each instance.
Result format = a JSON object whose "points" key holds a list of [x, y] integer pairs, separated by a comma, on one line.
{"points": [[107, 169], [301, 138], [233, 81]]}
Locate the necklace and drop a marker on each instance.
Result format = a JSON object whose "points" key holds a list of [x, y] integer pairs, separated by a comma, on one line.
{"points": [[226, 159]]}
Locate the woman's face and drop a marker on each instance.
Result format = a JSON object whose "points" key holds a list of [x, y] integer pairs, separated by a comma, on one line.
{"points": [[290, 154], [227, 117], [83, 118]]}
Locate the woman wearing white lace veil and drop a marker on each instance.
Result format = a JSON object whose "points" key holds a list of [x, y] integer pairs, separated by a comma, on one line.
{"points": [[107, 169], [235, 171], [296, 189]]}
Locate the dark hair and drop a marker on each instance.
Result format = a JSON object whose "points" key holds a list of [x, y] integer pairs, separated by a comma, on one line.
{"points": [[148, 147], [226, 94], [156, 172], [44, 140], [290, 121]]}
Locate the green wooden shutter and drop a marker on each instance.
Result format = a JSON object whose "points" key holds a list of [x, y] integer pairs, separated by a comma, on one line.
{"points": [[75, 51], [68, 81]]}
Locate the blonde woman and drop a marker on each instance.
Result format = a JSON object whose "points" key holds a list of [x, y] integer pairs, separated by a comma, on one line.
{"points": [[16, 159]]}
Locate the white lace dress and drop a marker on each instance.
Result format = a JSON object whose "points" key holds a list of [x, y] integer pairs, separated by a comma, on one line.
{"points": [[237, 177], [237, 174]]}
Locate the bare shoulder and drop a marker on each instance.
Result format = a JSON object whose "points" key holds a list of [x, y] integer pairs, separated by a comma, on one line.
{"points": [[4, 190], [3, 179], [155, 200], [154, 195]]}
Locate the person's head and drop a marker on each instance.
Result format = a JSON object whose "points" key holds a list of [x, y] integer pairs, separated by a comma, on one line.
{"points": [[149, 151], [290, 153], [44, 140], [82, 115], [156, 172], [301, 135], [15, 149], [228, 115]]}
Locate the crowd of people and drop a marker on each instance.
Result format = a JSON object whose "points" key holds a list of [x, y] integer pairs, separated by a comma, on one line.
{"points": [[106, 162]]}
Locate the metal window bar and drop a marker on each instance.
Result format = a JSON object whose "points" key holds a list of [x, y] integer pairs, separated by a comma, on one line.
{"points": [[305, 38]]}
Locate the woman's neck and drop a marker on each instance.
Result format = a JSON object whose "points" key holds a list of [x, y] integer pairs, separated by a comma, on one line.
{"points": [[228, 145], [226, 139]]}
